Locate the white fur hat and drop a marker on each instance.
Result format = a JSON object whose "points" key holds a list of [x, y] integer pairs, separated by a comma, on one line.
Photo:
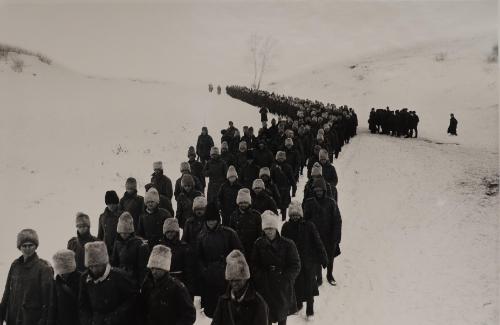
{"points": [[231, 172], [264, 171], [244, 196], [185, 166], [270, 220], [295, 209], [152, 195], [171, 224], [64, 261], [258, 183], [125, 224], [157, 165], [237, 266], [96, 253], [199, 202], [160, 258], [317, 169], [214, 151]]}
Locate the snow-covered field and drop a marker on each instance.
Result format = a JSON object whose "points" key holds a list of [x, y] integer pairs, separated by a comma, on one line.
{"points": [[421, 228]]}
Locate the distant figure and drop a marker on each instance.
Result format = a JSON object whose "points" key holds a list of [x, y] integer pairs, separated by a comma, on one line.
{"points": [[219, 90], [263, 114], [452, 129], [210, 87]]}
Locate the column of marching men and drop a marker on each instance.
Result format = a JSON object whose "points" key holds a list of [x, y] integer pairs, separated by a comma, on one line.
{"points": [[148, 262]]}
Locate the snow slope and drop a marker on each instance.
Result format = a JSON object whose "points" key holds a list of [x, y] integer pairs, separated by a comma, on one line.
{"points": [[420, 232]]}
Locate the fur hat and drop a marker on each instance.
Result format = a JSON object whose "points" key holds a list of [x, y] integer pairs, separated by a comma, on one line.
{"points": [[244, 196], [82, 218], [231, 171], [281, 155], [185, 166], [131, 181], [96, 253], [157, 165], [199, 202], [237, 266], [323, 154], [317, 169], [258, 183], [171, 224], [27, 236], [187, 180], [191, 152], [295, 209], [212, 212], [243, 146], [152, 195], [160, 258], [288, 142], [125, 224], [214, 151], [64, 261], [264, 171], [270, 220], [111, 198], [319, 183], [224, 145]]}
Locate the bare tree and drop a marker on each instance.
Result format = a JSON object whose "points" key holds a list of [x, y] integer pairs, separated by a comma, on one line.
{"points": [[261, 51]]}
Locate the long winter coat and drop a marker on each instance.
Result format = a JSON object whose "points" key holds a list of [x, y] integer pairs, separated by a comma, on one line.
{"points": [[203, 146], [275, 266], [283, 176], [248, 173], [330, 175], [250, 310], [107, 228], [163, 184], [263, 201], [197, 170], [166, 301], [226, 200], [215, 170], [131, 256], [28, 291], [185, 206], [263, 157], [134, 204], [77, 245], [108, 302], [312, 253], [248, 226], [151, 226], [190, 233], [325, 215], [213, 247], [64, 306], [182, 263]]}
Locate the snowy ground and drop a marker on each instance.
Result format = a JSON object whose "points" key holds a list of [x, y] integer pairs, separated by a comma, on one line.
{"points": [[420, 236]]}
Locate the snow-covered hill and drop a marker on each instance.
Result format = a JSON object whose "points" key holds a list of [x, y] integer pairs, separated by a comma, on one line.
{"points": [[420, 236]]}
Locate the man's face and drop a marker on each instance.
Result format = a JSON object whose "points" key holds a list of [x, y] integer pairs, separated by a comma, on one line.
{"points": [[199, 212], [82, 229], [323, 160], [244, 206], [237, 285], [212, 223], [294, 217], [97, 271], [232, 179], [157, 171], [204, 132], [319, 192], [28, 249], [112, 206], [158, 273], [171, 235], [131, 187], [270, 233], [257, 190], [187, 187], [124, 236], [151, 205], [264, 177]]}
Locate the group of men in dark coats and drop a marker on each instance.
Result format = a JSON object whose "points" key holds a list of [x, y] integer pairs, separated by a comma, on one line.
{"points": [[148, 262], [398, 123]]}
